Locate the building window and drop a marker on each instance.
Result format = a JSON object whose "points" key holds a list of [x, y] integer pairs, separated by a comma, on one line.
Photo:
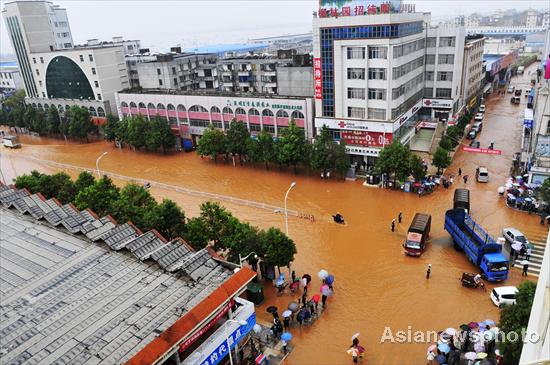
{"points": [[93, 71], [446, 59], [444, 76], [269, 128], [377, 73], [91, 58], [67, 45], [428, 92], [378, 52], [407, 67], [34, 60], [160, 82], [173, 71], [356, 73], [443, 92], [355, 53], [430, 42], [254, 127], [429, 75], [81, 58], [447, 42], [377, 113], [40, 82], [43, 94], [158, 71], [430, 59], [355, 112], [377, 94], [407, 48], [548, 127], [41, 59], [356, 93], [98, 96], [37, 72]]}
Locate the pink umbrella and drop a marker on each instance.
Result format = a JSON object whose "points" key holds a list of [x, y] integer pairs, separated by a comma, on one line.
{"points": [[432, 348], [316, 298], [324, 287]]}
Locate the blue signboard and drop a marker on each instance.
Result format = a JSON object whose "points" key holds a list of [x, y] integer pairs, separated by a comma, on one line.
{"points": [[234, 338], [528, 123]]}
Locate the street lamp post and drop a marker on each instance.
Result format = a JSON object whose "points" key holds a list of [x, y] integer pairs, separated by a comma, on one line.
{"points": [[240, 322], [286, 211], [97, 164], [241, 259]]}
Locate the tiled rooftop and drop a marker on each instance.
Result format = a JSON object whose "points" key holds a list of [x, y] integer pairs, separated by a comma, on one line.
{"points": [[65, 299]]}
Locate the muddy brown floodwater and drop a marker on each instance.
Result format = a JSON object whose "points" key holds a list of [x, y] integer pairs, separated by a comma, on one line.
{"points": [[376, 285]]}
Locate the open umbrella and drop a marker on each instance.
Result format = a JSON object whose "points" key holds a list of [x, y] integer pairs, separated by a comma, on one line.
{"points": [[325, 290], [316, 298], [301, 314], [479, 347], [287, 336], [441, 359], [257, 328], [307, 277], [517, 246], [294, 285], [329, 279], [287, 313], [481, 355], [473, 325], [464, 327], [293, 306], [489, 322], [303, 282], [353, 352], [443, 347], [271, 309], [470, 355], [322, 274], [450, 331], [280, 280], [355, 336], [524, 262], [431, 348]]}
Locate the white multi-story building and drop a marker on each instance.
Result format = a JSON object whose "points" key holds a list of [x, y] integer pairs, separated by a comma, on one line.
{"points": [[444, 60], [10, 79], [546, 20], [54, 71], [531, 19], [368, 76], [472, 70], [472, 21]]}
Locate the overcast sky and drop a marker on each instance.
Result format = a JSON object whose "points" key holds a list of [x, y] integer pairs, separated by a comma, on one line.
{"points": [[160, 24]]}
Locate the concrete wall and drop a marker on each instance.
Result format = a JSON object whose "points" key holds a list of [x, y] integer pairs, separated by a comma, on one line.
{"points": [[295, 81]]}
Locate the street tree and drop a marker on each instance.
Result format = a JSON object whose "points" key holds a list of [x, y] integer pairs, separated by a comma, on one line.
{"points": [[441, 159], [99, 197], [167, 218], [514, 319], [16, 100], [53, 120], [110, 128], [237, 137], [416, 167], [58, 186], [30, 117], [80, 123], [340, 157], [196, 234], [263, 148], [321, 151], [64, 124], [83, 180], [279, 249], [292, 147], [216, 222], [545, 191], [394, 160], [241, 239], [31, 181], [212, 143], [152, 134], [133, 204], [167, 138], [137, 132]]}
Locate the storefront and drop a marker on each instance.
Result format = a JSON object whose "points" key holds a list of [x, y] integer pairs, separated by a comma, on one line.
{"points": [[441, 109]]}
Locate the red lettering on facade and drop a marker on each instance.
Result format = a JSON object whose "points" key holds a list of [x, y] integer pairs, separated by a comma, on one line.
{"points": [[323, 13], [359, 10], [346, 11], [385, 8], [371, 9]]}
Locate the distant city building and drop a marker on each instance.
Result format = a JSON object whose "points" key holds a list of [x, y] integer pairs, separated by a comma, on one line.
{"points": [[531, 18], [10, 78], [54, 70], [472, 69], [302, 43], [545, 22], [253, 73]]}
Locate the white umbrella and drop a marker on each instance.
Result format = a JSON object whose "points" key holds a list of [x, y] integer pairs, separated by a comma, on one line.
{"points": [[501, 190], [470, 355], [517, 246], [257, 328], [322, 274], [355, 336], [450, 331], [287, 313], [353, 352], [524, 262]]}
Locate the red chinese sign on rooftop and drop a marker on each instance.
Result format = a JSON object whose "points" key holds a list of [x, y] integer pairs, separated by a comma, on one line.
{"points": [[336, 8]]}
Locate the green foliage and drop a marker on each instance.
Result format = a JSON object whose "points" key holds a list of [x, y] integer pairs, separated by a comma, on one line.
{"points": [[394, 160], [321, 151], [446, 144], [236, 139], [545, 191], [212, 143], [80, 123], [84, 180], [99, 197], [291, 147], [110, 128], [416, 168], [340, 158], [241, 238], [441, 159], [133, 204], [167, 218], [30, 182], [58, 185], [16, 100], [137, 132], [279, 249], [515, 318], [53, 120], [152, 134]]}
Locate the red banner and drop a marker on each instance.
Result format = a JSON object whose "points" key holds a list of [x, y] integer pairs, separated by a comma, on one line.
{"points": [[203, 330], [362, 138], [482, 150], [317, 78]]}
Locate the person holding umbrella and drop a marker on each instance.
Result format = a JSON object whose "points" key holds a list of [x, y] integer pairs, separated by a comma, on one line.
{"points": [[525, 267]]}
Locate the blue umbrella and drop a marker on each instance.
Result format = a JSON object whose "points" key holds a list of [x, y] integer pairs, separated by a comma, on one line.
{"points": [[443, 347], [287, 336], [329, 280], [441, 359], [489, 322]]}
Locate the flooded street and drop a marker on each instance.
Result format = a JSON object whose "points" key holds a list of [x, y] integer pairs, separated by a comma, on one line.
{"points": [[376, 285]]}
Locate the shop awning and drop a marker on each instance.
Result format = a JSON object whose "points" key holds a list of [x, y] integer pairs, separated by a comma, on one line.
{"points": [[528, 118]]}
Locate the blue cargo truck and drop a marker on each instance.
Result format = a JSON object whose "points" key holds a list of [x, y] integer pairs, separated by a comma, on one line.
{"points": [[479, 246]]}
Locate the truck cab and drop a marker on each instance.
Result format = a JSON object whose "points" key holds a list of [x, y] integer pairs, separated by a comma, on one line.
{"points": [[418, 234], [494, 267]]}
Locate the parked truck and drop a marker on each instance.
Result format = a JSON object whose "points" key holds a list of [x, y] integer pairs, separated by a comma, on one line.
{"points": [[418, 234], [478, 245]]}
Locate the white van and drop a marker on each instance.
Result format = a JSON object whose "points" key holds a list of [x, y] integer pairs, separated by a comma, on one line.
{"points": [[482, 174], [504, 295], [11, 142]]}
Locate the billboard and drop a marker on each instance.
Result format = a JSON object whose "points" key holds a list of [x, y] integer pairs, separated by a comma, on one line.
{"points": [[317, 78], [335, 8], [363, 138]]}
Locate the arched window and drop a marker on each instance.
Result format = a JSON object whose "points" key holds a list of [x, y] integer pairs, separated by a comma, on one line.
{"points": [[92, 111], [198, 108], [215, 109], [181, 108], [133, 105], [60, 107], [100, 112], [240, 111], [227, 110], [160, 106], [253, 112], [142, 105], [170, 107], [39, 106], [66, 80], [282, 114], [267, 113], [46, 106], [34, 105], [297, 115], [67, 107], [124, 104], [151, 106]]}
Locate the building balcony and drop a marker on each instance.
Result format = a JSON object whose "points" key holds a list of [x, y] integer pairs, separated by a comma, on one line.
{"points": [[270, 73], [270, 84], [227, 72], [244, 73], [244, 84]]}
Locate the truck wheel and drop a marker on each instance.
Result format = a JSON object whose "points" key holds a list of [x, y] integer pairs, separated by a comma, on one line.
{"points": [[456, 246], [483, 276]]}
